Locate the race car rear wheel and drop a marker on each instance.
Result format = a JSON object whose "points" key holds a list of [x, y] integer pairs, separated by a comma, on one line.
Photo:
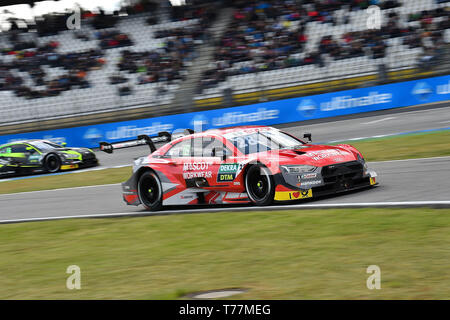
{"points": [[52, 163], [260, 185], [150, 191]]}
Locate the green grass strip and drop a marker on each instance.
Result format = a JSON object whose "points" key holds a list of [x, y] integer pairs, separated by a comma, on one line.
{"points": [[303, 254]]}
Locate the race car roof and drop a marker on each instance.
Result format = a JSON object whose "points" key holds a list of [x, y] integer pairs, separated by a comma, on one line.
{"points": [[28, 141]]}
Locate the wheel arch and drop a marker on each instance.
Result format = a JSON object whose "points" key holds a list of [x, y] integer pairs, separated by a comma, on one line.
{"points": [[251, 163], [271, 178], [46, 156], [141, 171], [137, 176]]}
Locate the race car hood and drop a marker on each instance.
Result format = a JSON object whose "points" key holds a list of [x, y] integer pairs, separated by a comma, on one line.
{"points": [[72, 150], [314, 155], [82, 150]]}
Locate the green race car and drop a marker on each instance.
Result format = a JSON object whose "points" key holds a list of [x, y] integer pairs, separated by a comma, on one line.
{"points": [[34, 156]]}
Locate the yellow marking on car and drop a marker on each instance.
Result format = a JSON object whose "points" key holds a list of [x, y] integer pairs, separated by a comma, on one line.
{"points": [[69, 166], [373, 181], [293, 195]]}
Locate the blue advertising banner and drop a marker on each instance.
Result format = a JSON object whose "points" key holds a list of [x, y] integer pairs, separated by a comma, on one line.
{"points": [[268, 113]]}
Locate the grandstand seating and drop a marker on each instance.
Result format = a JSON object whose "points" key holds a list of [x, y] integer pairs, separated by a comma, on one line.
{"points": [[397, 56], [101, 94]]}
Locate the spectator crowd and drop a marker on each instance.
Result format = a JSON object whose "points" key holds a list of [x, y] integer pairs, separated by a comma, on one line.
{"points": [[262, 35], [76, 68]]}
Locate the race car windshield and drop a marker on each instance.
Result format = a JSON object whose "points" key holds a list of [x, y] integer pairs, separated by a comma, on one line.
{"points": [[46, 145], [264, 141]]}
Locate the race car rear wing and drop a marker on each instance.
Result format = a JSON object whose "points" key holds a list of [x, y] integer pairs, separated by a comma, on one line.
{"points": [[141, 140]]}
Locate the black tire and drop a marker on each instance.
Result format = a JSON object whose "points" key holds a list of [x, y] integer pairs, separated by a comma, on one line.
{"points": [[260, 185], [150, 191], [52, 163]]}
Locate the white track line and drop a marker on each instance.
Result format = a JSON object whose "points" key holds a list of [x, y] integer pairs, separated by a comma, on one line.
{"points": [[61, 189], [117, 184], [379, 120], [404, 111], [398, 204], [413, 159], [65, 173]]}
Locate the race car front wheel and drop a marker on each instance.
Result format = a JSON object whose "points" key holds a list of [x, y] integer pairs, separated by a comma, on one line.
{"points": [[52, 163], [260, 185], [150, 191]]}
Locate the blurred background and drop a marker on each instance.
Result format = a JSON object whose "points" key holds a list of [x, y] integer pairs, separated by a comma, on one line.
{"points": [[137, 59]]}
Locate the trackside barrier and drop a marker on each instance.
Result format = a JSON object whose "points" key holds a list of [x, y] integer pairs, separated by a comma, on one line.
{"points": [[346, 102]]}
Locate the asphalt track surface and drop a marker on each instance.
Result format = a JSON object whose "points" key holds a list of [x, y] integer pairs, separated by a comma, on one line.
{"points": [[402, 181], [388, 123]]}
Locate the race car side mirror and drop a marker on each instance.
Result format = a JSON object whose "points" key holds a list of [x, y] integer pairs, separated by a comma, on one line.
{"points": [[219, 152], [308, 136]]}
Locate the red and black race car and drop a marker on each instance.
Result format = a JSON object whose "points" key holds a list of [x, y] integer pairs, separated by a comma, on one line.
{"points": [[252, 164]]}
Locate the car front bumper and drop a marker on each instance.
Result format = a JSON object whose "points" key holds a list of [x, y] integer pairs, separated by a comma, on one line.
{"points": [[329, 184]]}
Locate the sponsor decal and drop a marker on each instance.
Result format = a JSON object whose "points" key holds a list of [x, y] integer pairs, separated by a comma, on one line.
{"points": [[292, 195], [228, 171], [199, 122], [347, 102], [223, 177], [34, 158], [196, 170], [311, 183], [323, 154], [443, 88], [308, 176], [197, 174], [373, 181], [93, 134], [57, 140], [194, 166], [307, 107], [422, 91], [233, 118], [128, 132]]}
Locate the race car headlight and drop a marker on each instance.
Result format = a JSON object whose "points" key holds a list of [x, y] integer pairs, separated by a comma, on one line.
{"points": [[360, 158], [299, 169], [70, 156], [365, 167]]}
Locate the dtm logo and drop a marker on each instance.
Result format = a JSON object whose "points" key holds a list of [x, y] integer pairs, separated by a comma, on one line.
{"points": [[422, 91], [93, 134], [307, 107], [199, 122]]}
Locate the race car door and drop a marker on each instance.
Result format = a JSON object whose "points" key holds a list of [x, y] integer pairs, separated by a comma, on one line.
{"points": [[6, 166], [17, 154], [177, 156], [207, 159]]}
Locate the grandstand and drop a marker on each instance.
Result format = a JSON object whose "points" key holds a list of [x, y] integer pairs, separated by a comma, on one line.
{"points": [[314, 63], [170, 60]]}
